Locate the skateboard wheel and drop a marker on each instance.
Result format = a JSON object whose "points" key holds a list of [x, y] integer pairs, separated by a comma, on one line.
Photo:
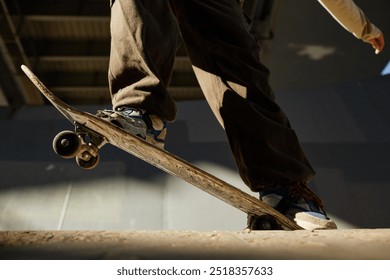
{"points": [[67, 144], [87, 161], [265, 223]]}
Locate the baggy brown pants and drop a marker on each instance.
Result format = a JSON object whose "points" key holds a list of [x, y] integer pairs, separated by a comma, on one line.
{"points": [[225, 58]]}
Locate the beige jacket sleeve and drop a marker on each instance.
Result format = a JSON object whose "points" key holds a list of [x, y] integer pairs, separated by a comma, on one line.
{"points": [[352, 18]]}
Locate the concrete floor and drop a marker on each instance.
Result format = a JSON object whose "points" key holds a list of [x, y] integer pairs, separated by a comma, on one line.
{"points": [[187, 245]]}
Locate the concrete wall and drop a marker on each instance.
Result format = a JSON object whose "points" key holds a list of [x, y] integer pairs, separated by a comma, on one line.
{"points": [[310, 49]]}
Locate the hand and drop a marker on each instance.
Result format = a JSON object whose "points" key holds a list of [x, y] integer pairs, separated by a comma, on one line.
{"points": [[378, 43]]}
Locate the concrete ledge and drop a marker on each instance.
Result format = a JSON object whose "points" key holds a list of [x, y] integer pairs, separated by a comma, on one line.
{"points": [[337, 244]]}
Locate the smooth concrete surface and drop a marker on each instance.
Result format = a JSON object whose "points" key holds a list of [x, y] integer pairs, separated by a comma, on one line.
{"points": [[95, 245]]}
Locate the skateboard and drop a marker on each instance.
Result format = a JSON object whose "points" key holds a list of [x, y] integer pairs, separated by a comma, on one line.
{"points": [[92, 133]]}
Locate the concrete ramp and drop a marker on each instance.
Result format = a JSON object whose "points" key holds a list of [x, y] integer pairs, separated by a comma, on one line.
{"points": [[337, 244]]}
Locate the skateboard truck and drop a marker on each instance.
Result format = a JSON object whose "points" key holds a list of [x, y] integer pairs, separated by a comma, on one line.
{"points": [[81, 144]]}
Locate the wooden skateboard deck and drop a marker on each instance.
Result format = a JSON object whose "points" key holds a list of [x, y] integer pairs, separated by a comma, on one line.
{"points": [[92, 133]]}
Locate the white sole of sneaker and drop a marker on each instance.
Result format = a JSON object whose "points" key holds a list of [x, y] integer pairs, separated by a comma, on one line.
{"points": [[310, 222]]}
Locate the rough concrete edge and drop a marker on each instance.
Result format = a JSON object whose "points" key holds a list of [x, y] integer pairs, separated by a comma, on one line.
{"points": [[369, 244]]}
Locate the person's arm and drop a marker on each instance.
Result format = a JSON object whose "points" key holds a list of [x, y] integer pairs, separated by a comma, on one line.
{"points": [[353, 19]]}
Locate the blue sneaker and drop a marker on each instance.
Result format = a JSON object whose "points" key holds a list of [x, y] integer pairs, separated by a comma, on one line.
{"points": [[300, 205], [137, 122]]}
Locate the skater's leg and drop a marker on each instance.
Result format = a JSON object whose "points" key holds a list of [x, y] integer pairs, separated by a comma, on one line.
{"points": [[144, 38], [226, 61]]}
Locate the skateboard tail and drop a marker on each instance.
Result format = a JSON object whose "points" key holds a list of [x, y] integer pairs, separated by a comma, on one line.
{"points": [[59, 104]]}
